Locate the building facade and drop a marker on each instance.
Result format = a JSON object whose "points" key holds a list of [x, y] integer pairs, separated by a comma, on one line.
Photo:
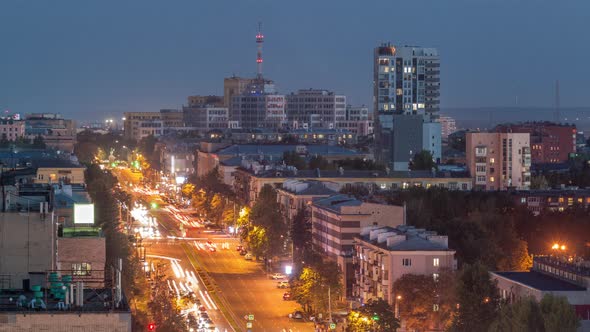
{"points": [[312, 108], [499, 161], [11, 130], [172, 121], [295, 195], [234, 86], [336, 220], [358, 121], [448, 126], [406, 83], [551, 143], [382, 255], [206, 117], [58, 133], [138, 125]]}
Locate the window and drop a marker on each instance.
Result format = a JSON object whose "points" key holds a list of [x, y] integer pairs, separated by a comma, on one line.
{"points": [[435, 262], [492, 179], [435, 276], [81, 269], [435, 307], [406, 262], [491, 160]]}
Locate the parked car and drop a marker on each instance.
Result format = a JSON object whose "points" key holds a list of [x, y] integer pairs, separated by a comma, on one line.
{"points": [[296, 315], [287, 296], [243, 252], [278, 276], [282, 284], [248, 257], [239, 248]]}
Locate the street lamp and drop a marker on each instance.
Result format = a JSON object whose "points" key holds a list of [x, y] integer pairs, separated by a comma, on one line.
{"points": [[397, 300]]}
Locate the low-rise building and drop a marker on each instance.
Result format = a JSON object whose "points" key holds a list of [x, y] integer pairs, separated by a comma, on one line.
{"points": [[499, 161], [138, 125], [382, 255], [252, 176], [554, 275], [58, 133], [11, 130], [560, 200], [336, 220], [448, 126], [59, 171], [295, 195]]}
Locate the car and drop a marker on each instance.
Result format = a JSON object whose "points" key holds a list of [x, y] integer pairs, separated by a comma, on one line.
{"points": [[243, 252], [278, 276], [282, 284], [248, 257], [239, 248], [296, 315], [286, 296], [202, 308], [212, 249]]}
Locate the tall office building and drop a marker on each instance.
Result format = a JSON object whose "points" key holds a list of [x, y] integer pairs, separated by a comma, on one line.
{"points": [[406, 83], [315, 109]]}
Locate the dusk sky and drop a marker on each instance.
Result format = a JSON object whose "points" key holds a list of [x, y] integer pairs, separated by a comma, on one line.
{"points": [[94, 59]]}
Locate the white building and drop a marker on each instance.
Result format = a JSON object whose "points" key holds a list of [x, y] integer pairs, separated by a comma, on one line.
{"points": [[312, 108], [358, 121], [385, 254]]}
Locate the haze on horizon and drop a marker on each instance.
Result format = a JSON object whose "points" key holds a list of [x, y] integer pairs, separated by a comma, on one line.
{"points": [[91, 60]]}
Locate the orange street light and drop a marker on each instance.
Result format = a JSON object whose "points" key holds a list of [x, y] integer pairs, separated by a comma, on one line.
{"points": [[555, 246], [563, 247]]}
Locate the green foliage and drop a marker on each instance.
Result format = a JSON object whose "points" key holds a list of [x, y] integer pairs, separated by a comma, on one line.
{"points": [[477, 297], [422, 161], [266, 214], [376, 315], [314, 283], [558, 314], [301, 237], [524, 315], [426, 304], [292, 158]]}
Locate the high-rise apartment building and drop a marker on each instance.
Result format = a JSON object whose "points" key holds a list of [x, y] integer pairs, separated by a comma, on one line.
{"points": [[447, 126], [315, 109], [406, 82], [498, 161]]}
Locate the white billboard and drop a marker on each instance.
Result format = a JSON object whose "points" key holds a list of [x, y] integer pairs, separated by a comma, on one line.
{"points": [[83, 213]]}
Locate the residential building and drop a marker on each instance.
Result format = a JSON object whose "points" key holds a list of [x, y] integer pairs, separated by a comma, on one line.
{"points": [[557, 275], [206, 117], [58, 133], [12, 130], [297, 136], [556, 200], [59, 171], [358, 121], [138, 125], [259, 106], [448, 126], [382, 255], [551, 143], [296, 195], [312, 108], [499, 161], [406, 82], [250, 177], [336, 220], [172, 121]]}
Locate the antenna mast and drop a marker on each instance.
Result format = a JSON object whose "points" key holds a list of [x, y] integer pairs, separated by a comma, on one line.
{"points": [[259, 41]]}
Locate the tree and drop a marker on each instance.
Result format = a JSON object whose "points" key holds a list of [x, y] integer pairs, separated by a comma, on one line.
{"points": [[319, 162], [426, 304], [316, 284], [292, 158], [301, 237], [217, 207], [523, 315], [477, 298], [375, 315], [422, 161], [39, 142], [558, 314], [266, 214], [187, 190]]}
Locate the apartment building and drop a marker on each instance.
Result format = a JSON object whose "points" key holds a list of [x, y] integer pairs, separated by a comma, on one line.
{"points": [[12, 130], [499, 161], [313, 108], [138, 125], [336, 220], [358, 121], [448, 126], [551, 143], [382, 255], [58, 133], [296, 195]]}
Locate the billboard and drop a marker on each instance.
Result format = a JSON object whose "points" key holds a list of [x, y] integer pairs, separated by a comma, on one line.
{"points": [[83, 213]]}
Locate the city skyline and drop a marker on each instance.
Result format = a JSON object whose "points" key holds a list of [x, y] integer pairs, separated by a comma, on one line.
{"points": [[91, 61]]}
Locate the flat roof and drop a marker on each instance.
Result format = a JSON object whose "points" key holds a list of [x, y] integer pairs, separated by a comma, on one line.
{"points": [[279, 149], [540, 281]]}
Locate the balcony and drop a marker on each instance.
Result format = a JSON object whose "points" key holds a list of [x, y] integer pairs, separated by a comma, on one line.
{"points": [[432, 79], [432, 65], [481, 151], [432, 94], [432, 72], [432, 109]]}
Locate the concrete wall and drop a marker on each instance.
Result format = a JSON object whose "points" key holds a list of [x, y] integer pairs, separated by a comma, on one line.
{"points": [[53, 175], [27, 244], [61, 322], [90, 250]]}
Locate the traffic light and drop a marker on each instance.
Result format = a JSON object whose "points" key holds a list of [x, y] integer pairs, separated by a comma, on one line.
{"points": [[151, 327], [154, 205], [376, 317]]}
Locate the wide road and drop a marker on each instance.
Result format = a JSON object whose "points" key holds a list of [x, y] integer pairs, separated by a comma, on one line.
{"points": [[240, 284]]}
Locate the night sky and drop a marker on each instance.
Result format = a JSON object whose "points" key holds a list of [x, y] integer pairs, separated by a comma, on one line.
{"points": [[94, 59]]}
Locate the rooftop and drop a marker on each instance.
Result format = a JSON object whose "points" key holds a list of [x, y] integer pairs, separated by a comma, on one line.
{"points": [[336, 202], [56, 163], [270, 173], [307, 188], [412, 239], [279, 149], [540, 281], [95, 300]]}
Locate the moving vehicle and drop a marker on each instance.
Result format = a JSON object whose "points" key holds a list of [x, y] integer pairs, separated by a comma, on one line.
{"points": [[296, 315], [239, 248], [278, 276], [282, 284], [248, 257], [287, 296]]}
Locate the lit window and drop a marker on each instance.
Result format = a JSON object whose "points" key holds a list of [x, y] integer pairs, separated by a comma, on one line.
{"points": [[435, 262], [386, 69], [492, 179], [492, 160], [561, 200], [81, 269], [435, 276], [435, 307]]}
